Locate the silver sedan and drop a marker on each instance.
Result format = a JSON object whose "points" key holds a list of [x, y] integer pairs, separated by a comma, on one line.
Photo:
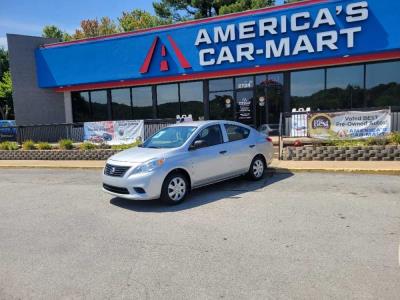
{"points": [[185, 156]]}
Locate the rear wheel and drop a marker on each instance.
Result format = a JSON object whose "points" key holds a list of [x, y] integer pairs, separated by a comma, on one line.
{"points": [[257, 168], [175, 189]]}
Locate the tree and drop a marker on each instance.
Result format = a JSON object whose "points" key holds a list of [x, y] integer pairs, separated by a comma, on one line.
{"points": [[139, 19], [5, 95], [52, 31], [4, 64], [242, 5], [180, 10]]}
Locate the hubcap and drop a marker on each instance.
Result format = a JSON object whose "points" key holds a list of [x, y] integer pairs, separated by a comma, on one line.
{"points": [[258, 168], [176, 189]]}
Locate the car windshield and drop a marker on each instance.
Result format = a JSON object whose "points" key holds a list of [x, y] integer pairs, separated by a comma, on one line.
{"points": [[170, 137]]}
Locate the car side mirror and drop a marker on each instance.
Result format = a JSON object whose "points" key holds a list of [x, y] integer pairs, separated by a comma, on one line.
{"points": [[198, 144]]}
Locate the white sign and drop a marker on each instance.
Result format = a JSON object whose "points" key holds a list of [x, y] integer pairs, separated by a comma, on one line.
{"points": [[287, 26]]}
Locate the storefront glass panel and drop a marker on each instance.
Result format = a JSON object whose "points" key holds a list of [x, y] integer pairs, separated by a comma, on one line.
{"points": [[142, 103], [344, 87], [121, 104], [225, 84], [383, 84], [99, 105], [167, 101], [80, 106], [191, 95], [308, 89], [222, 106]]}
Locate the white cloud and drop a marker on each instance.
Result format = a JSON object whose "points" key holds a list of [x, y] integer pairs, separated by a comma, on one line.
{"points": [[3, 42]]}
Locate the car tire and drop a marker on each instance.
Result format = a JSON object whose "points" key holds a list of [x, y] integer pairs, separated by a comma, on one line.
{"points": [[257, 168], [174, 189]]}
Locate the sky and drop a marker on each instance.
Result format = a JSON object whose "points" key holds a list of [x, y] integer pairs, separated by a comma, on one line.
{"points": [[30, 16]]}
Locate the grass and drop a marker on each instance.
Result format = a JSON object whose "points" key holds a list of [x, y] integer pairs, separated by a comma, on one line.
{"points": [[66, 144], [29, 145], [127, 146], [87, 146], [43, 146], [9, 146], [392, 139]]}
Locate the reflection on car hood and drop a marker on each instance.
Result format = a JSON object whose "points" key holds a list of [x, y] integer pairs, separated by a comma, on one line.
{"points": [[139, 155]]}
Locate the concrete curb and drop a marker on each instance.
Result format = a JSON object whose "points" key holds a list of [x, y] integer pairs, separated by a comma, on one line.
{"points": [[98, 165], [338, 170]]}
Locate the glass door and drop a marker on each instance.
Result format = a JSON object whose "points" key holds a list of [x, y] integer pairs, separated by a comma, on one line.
{"points": [[244, 100], [274, 97], [244, 107]]}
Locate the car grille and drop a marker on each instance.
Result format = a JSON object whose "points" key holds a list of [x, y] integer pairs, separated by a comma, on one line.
{"points": [[115, 189], [116, 171]]}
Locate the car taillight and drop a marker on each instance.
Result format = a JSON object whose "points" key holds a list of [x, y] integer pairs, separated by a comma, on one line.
{"points": [[269, 139]]}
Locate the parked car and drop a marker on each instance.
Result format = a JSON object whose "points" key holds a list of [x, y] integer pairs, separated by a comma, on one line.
{"points": [[185, 156]]}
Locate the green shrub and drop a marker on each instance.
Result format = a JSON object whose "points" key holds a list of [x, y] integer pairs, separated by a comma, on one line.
{"points": [[87, 146], [29, 145], [43, 146], [127, 146], [9, 146], [394, 138], [66, 144]]}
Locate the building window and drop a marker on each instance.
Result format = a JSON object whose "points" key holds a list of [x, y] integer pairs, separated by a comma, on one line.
{"points": [[344, 87], [308, 89], [225, 84], [221, 99], [80, 106], [191, 97], [221, 105], [142, 102], [244, 82], [121, 104], [99, 105], [383, 84], [167, 101]]}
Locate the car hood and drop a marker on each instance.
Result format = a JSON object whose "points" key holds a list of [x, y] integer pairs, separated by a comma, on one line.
{"points": [[139, 155]]}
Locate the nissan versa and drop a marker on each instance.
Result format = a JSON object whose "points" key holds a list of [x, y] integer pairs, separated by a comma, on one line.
{"points": [[185, 156]]}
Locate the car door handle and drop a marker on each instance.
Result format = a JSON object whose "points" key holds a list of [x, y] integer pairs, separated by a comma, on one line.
{"points": [[252, 146], [223, 152]]}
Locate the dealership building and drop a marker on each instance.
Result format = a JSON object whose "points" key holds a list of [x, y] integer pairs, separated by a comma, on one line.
{"points": [[248, 66]]}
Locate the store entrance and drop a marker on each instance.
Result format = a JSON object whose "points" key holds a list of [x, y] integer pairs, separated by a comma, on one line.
{"points": [[269, 99], [259, 99]]}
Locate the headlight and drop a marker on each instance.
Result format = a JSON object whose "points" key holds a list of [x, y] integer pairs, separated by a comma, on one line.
{"points": [[149, 166]]}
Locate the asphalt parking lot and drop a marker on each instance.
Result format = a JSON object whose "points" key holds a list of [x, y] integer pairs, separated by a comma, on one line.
{"points": [[289, 236]]}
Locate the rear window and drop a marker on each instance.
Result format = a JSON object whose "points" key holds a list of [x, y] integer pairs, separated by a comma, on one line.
{"points": [[236, 133]]}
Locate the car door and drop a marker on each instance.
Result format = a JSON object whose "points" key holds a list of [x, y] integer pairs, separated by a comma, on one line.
{"points": [[209, 163], [239, 147]]}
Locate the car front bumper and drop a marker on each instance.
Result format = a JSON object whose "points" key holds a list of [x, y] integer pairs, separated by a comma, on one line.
{"points": [[149, 185]]}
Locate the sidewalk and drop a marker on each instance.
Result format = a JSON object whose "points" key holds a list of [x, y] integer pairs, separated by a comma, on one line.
{"points": [[362, 167]]}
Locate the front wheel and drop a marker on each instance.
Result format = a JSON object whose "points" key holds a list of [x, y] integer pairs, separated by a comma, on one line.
{"points": [[175, 189], [257, 168]]}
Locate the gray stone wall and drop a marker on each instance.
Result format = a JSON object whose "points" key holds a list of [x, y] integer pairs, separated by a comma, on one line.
{"points": [[32, 104], [371, 153]]}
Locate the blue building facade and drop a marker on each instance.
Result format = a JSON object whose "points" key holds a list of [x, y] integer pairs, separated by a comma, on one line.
{"points": [[249, 66]]}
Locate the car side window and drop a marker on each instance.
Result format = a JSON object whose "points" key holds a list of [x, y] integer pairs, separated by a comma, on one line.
{"points": [[212, 135], [236, 133]]}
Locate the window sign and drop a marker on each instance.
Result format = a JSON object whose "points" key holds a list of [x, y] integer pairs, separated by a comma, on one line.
{"points": [[245, 82]]}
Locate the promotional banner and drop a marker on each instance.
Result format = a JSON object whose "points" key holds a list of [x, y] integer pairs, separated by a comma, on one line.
{"points": [[8, 132], [114, 132], [349, 125]]}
